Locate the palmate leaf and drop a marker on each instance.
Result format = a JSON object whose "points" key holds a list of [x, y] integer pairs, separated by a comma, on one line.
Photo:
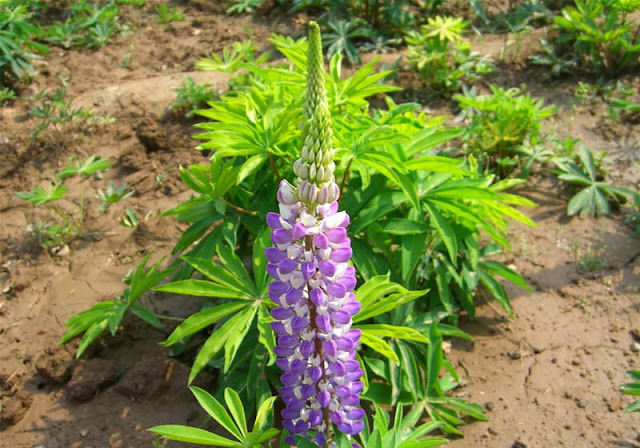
{"points": [[188, 434], [40, 196], [236, 426], [91, 166], [216, 342]]}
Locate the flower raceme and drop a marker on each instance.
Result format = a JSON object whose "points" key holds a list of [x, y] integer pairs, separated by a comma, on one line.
{"points": [[316, 346]]}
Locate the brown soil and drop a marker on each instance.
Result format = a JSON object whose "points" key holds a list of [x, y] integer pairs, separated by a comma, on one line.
{"points": [[547, 378]]}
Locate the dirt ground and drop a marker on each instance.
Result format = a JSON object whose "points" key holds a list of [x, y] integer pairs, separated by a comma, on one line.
{"points": [[547, 378]]}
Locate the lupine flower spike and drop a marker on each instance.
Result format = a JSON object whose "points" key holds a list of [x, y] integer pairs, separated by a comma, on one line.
{"points": [[313, 283]]}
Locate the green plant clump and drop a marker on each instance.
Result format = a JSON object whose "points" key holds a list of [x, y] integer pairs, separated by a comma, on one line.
{"points": [[443, 57], [422, 228], [598, 35], [504, 129]]}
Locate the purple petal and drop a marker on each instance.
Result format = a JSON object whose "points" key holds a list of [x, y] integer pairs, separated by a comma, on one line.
{"points": [[273, 220], [298, 231], [355, 414], [283, 364], [330, 348], [351, 400], [283, 352], [353, 376], [287, 266], [345, 344], [348, 282], [281, 313], [286, 340], [341, 255], [327, 268], [298, 365], [337, 235], [337, 368], [272, 270], [281, 236], [278, 327], [278, 288], [340, 391], [336, 290], [293, 296], [299, 323], [308, 269], [351, 366], [317, 297], [320, 241], [274, 255], [315, 373], [308, 390], [337, 417], [306, 348], [341, 317], [323, 398], [352, 308], [323, 323], [358, 427], [345, 428]]}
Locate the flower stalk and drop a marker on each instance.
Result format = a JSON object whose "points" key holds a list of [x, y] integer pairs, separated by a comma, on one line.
{"points": [[313, 282]]}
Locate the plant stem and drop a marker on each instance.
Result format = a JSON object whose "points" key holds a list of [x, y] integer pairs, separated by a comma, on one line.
{"points": [[275, 168], [345, 176], [240, 209]]}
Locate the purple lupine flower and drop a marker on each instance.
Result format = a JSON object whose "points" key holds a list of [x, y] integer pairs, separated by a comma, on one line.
{"points": [[313, 283]]}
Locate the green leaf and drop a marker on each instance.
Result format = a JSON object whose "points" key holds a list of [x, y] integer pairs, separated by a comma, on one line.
{"points": [[234, 404], [266, 335], [213, 345], [496, 290], [202, 319], [445, 231], [217, 274], [216, 411], [262, 416], [250, 166], [434, 361], [202, 288], [188, 434], [146, 315], [395, 332], [379, 345], [238, 334], [470, 409], [405, 227], [423, 443], [40, 196], [91, 335]]}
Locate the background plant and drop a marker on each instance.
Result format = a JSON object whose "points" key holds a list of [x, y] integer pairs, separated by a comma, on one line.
{"points": [[595, 196], [69, 225], [601, 34], [503, 128], [192, 96], [443, 57], [18, 41], [632, 389]]}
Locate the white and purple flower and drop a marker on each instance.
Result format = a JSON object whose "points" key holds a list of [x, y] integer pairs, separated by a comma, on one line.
{"points": [[316, 346]]}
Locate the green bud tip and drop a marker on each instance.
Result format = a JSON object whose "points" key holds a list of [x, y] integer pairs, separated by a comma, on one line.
{"points": [[315, 165]]}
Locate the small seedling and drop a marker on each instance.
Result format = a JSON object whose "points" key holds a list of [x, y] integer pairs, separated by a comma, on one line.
{"points": [[588, 258], [113, 194], [69, 225], [595, 195], [243, 6], [130, 219], [192, 96], [166, 15], [6, 95]]}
